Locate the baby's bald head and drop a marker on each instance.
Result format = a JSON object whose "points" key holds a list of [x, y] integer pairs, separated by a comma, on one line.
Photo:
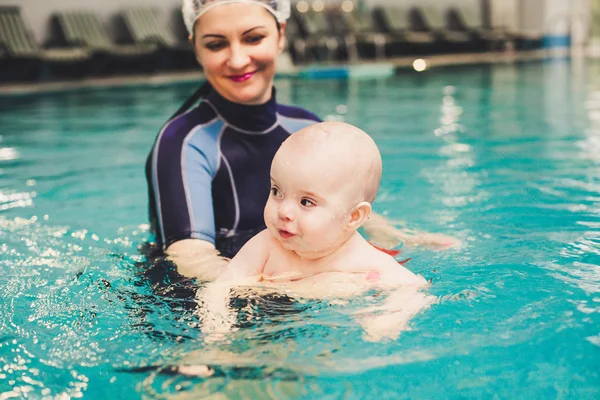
{"points": [[339, 150]]}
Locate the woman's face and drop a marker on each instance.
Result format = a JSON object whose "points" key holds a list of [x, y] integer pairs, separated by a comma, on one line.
{"points": [[237, 45]]}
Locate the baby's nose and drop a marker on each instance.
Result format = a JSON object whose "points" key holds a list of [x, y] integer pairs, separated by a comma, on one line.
{"points": [[286, 212]]}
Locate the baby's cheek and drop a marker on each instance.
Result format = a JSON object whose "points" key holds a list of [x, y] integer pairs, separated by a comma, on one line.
{"points": [[268, 213]]}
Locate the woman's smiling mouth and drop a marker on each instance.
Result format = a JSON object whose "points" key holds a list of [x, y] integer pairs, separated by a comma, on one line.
{"points": [[243, 77]]}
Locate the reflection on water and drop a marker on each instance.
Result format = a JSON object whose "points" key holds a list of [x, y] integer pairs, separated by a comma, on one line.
{"points": [[503, 157], [8, 153], [15, 200]]}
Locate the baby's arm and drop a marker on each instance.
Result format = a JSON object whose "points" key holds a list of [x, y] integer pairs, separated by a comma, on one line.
{"points": [[244, 269], [405, 298], [249, 262], [387, 321]]}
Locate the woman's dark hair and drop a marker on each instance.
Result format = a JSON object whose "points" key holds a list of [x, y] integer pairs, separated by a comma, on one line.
{"points": [[202, 92]]}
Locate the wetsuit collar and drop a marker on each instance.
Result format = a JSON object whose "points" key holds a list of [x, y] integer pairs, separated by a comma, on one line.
{"points": [[255, 118]]}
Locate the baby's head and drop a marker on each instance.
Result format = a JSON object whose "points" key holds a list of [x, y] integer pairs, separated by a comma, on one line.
{"points": [[323, 181]]}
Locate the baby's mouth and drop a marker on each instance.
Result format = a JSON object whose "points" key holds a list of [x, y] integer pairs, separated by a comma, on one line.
{"points": [[286, 234]]}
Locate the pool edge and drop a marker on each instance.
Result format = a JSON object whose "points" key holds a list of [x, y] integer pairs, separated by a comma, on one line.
{"points": [[357, 70]]}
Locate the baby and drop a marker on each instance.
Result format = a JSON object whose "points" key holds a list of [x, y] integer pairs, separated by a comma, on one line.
{"points": [[323, 181]]}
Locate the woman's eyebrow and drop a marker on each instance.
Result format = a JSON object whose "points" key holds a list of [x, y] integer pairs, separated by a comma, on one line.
{"points": [[213, 35], [251, 29], [223, 36]]}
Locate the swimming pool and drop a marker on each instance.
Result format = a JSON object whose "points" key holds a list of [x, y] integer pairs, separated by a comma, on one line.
{"points": [[505, 157]]}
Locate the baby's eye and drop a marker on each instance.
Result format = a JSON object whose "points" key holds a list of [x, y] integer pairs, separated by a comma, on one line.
{"points": [[254, 39], [307, 203], [275, 192]]}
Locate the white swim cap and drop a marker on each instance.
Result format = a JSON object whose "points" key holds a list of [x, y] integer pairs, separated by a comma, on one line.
{"points": [[193, 9]]}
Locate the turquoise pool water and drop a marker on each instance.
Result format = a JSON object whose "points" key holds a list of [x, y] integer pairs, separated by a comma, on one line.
{"points": [[506, 157]]}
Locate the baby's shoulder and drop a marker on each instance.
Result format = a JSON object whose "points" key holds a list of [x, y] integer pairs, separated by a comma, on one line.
{"points": [[363, 257], [380, 261], [387, 270]]}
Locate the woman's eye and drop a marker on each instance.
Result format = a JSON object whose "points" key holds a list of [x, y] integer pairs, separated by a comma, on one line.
{"points": [[215, 46], [275, 192], [254, 39], [307, 203]]}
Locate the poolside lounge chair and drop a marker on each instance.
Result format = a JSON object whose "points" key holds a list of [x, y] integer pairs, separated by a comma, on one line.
{"points": [[295, 44], [359, 29], [18, 53], [395, 20], [178, 25], [22, 59], [81, 29], [321, 44], [431, 19], [141, 26], [465, 20]]}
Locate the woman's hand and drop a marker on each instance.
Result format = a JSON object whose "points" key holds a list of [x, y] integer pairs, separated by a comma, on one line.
{"points": [[196, 258]]}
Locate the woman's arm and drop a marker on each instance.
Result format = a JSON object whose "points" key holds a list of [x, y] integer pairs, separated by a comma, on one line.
{"points": [[384, 233], [199, 259], [180, 172]]}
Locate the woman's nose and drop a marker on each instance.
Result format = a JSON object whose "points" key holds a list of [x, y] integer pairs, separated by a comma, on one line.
{"points": [[238, 57]]}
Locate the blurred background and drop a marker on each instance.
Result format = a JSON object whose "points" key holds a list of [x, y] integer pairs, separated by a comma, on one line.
{"points": [[70, 39]]}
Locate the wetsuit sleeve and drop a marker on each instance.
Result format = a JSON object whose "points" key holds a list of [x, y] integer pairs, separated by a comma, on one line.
{"points": [[183, 170]]}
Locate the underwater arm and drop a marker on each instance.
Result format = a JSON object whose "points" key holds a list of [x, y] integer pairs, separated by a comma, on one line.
{"points": [[404, 297], [216, 317], [387, 321], [385, 233], [243, 270]]}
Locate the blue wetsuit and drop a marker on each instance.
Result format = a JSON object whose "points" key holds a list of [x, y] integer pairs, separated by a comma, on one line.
{"points": [[208, 171]]}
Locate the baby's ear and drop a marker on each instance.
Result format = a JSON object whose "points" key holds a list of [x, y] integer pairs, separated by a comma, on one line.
{"points": [[359, 215]]}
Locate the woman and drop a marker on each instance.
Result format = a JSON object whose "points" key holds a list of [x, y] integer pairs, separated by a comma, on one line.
{"points": [[208, 171]]}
